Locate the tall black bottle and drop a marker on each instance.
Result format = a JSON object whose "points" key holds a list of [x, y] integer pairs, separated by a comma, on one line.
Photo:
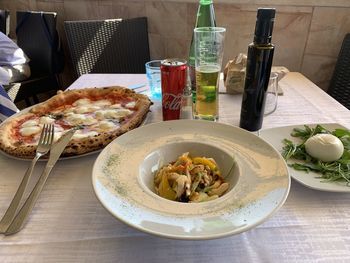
{"points": [[259, 62]]}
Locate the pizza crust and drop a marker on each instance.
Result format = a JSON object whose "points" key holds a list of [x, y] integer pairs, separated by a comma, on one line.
{"points": [[9, 145]]}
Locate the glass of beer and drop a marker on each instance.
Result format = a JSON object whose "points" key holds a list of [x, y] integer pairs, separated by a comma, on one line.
{"points": [[209, 50]]}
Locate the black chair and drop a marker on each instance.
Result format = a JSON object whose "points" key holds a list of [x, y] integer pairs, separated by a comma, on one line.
{"points": [[108, 46], [38, 37], [340, 84], [5, 22]]}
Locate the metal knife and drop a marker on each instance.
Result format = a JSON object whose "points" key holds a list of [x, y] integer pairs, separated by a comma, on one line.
{"points": [[55, 153]]}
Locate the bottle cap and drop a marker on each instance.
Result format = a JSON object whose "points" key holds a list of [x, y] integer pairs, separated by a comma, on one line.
{"points": [[266, 13], [264, 25], [205, 2]]}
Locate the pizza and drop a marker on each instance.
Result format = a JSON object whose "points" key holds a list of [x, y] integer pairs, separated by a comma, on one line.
{"points": [[99, 115]]}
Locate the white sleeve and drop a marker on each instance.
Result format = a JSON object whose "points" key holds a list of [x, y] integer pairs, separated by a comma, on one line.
{"points": [[4, 77], [10, 53]]}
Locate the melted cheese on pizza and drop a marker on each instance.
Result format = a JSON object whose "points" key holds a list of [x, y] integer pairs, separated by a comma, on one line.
{"points": [[46, 120], [31, 130], [84, 134], [81, 109], [75, 119], [89, 112], [112, 113], [102, 103], [30, 123], [81, 102], [116, 106], [107, 125], [131, 105], [57, 135], [93, 108], [89, 120], [94, 116]]}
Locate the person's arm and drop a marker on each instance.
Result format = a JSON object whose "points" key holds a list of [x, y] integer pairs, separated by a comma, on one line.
{"points": [[10, 53]]}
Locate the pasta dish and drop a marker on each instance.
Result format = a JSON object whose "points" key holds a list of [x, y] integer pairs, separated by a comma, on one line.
{"points": [[190, 179]]}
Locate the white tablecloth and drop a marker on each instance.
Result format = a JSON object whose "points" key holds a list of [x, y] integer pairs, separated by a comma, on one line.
{"points": [[68, 224]]}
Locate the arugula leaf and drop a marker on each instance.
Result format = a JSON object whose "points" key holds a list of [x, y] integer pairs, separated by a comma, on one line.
{"points": [[341, 132], [330, 171], [308, 132]]}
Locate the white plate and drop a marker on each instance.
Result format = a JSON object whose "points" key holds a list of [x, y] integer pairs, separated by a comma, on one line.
{"points": [[144, 122], [311, 179], [122, 183]]}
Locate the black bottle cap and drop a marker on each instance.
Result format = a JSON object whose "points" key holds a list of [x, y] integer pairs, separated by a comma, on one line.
{"points": [[264, 25]]}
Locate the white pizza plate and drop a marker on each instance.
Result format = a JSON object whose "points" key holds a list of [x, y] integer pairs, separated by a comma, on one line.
{"points": [[123, 174], [312, 180], [144, 122]]}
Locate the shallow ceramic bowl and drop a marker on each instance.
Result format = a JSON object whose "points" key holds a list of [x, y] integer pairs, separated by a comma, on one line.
{"points": [[123, 179]]}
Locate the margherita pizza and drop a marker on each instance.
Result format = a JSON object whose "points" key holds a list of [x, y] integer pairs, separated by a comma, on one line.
{"points": [[99, 115]]}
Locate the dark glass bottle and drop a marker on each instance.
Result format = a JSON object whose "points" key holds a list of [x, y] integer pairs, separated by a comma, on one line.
{"points": [[205, 18], [259, 62]]}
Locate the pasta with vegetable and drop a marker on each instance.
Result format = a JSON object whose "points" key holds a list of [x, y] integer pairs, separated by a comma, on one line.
{"points": [[190, 179]]}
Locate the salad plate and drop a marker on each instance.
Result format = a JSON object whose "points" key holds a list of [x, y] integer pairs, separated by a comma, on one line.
{"points": [[123, 179], [310, 179]]}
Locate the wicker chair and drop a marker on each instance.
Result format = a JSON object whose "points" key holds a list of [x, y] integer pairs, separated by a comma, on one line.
{"points": [[340, 83], [108, 46]]}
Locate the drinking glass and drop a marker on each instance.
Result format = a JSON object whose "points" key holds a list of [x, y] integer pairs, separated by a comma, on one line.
{"points": [[153, 76], [209, 49], [271, 94]]}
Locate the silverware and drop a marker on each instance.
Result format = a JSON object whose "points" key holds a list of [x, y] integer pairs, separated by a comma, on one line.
{"points": [[44, 144], [55, 153]]}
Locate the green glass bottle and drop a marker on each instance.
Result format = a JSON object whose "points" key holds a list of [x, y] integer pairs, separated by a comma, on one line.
{"points": [[205, 18]]}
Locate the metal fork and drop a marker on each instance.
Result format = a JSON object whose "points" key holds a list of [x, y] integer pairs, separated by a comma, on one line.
{"points": [[44, 145]]}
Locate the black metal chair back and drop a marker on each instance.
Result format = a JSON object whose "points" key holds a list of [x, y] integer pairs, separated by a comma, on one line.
{"points": [[38, 37], [340, 84], [108, 46], [5, 22]]}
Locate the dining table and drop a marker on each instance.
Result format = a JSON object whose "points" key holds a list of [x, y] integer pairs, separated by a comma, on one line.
{"points": [[69, 224]]}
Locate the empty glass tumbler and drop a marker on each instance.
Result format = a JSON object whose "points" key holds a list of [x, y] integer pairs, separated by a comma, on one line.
{"points": [[153, 76], [271, 94]]}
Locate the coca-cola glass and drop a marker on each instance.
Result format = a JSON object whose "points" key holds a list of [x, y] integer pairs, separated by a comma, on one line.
{"points": [[174, 79]]}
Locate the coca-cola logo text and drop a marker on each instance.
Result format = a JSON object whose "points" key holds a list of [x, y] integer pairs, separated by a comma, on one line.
{"points": [[171, 101]]}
